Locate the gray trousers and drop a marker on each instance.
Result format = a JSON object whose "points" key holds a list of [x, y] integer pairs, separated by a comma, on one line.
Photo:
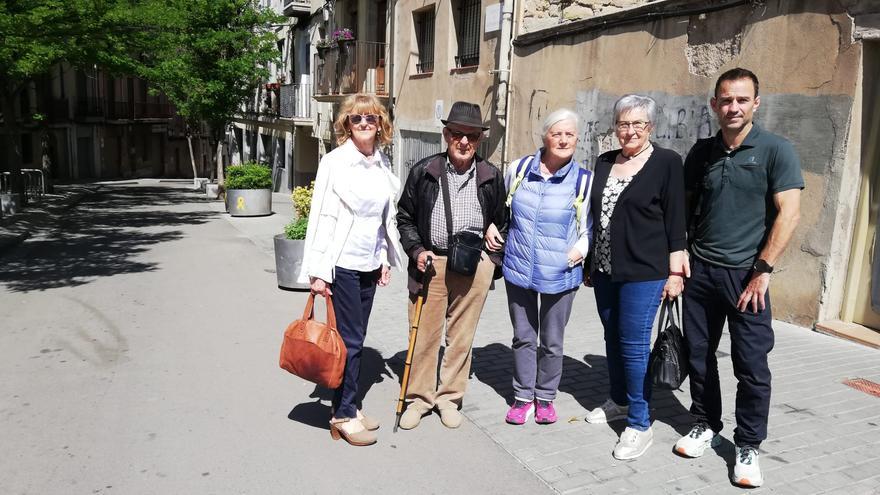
{"points": [[537, 369]]}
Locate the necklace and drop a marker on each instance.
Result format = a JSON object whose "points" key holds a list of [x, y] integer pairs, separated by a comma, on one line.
{"points": [[639, 152]]}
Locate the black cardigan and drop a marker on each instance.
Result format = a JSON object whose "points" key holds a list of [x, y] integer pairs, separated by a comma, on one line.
{"points": [[648, 221]]}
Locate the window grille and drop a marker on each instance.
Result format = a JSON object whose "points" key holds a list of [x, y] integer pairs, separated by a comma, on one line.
{"points": [[424, 23], [468, 33]]}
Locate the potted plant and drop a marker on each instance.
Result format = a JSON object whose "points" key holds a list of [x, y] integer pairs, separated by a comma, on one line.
{"points": [[323, 45], [290, 246], [249, 190], [343, 35]]}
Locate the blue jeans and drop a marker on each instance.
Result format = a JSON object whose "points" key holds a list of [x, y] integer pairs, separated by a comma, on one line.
{"points": [[627, 311]]}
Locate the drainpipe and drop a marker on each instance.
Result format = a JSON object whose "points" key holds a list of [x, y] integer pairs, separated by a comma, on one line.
{"points": [[503, 71]]}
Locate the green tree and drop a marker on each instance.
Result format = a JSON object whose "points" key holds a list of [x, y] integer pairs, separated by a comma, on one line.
{"points": [[213, 61], [35, 35]]}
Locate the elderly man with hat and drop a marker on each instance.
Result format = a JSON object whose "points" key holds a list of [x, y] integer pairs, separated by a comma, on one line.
{"points": [[454, 299]]}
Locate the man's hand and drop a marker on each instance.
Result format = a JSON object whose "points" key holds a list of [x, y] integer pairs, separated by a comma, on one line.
{"points": [[384, 276], [754, 293], [494, 241], [320, 287], [422, 259]]}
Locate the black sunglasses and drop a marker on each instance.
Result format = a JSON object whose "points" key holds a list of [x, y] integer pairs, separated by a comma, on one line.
{"points": [[458, 135], [370, 118]]}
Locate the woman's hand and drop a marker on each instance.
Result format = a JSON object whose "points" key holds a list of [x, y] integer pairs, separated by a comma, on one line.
{"points": [[574, 257], [320, 288], [384, 276], [494, 241], [674, 286]]}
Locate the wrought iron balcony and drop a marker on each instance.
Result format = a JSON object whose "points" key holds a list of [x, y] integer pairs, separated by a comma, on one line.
{"points": [[350, 67], [296, 101]]}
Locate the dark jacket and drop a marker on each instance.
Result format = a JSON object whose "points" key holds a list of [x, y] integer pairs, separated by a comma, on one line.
{"points": [[417, 200], [648, 221]]}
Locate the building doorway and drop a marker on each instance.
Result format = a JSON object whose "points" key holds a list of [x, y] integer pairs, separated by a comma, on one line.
{"points": [[862, 299]]}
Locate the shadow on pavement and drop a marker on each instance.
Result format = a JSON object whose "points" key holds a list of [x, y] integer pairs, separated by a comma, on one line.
{"points": [[493, 365], [317, 414], [102, 237]]}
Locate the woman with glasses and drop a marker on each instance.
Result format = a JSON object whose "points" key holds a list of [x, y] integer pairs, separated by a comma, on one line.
{"points": [[637, 259], [351, 242], [548, 237]]}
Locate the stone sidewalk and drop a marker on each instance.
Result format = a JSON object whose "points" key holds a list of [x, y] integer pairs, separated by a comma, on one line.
{"points": [[824, 437]]}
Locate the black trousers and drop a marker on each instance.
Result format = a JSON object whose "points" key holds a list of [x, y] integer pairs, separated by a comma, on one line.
{"points": [[353, 293], [710, 297]]}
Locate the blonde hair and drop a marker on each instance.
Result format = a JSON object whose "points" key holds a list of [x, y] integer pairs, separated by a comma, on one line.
{"points": [[362, 104]]}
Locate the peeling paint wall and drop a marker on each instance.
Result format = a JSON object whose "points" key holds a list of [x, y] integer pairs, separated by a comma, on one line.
{"points": [[807, 62]]}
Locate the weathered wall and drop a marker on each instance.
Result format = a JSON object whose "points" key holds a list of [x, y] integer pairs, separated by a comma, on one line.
{"points": [[416, 94], [540, 14], [803, 54]]}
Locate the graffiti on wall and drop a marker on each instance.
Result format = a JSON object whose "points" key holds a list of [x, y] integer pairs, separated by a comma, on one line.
{"points": [[811, 123]]}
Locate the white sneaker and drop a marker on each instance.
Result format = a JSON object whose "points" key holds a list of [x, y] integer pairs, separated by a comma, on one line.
{"points": [[697, 441], [747, 471], [633, 443], [609, 411]]}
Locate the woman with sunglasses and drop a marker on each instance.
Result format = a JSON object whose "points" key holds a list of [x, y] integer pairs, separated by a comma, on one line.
{"points": [[637, 259], [352, 241]]}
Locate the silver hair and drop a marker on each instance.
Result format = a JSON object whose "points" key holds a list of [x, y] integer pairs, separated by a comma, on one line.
{"points": [[558, 116], [628, 103]]}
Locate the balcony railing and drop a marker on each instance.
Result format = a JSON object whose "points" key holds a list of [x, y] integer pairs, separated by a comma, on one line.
{"points": [[297, 7], [351, 67], [296, 101], [150, 110], [126, 110], [90, 107]]}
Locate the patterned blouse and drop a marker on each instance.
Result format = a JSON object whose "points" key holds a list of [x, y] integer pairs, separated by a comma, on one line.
{"points": [[613, 188]]}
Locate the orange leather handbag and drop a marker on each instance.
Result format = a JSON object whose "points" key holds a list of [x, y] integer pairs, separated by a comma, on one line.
{"points": [[313, 350]]}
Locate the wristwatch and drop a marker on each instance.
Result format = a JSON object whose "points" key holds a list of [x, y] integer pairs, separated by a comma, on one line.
{"points": [[762, 266]]}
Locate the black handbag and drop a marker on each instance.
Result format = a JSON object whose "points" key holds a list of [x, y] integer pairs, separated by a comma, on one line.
{"points": [[465, 248], [668, 364]]}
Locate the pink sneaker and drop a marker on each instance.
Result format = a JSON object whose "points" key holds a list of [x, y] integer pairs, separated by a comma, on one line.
{"points": [[545, 413], [520, 412]]}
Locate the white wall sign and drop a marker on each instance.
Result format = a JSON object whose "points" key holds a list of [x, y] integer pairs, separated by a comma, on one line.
{"points": [[438, 109], [493, 18]]}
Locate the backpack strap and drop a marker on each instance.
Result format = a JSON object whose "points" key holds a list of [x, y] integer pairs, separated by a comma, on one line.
{"points": [[520, 175]]}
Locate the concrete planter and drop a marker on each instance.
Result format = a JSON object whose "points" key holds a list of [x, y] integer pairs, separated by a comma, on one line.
{"points": [[10, 203], [249, 202], [288, 260], [212, 191]]}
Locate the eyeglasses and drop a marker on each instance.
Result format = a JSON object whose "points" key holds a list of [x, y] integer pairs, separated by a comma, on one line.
{"points": [[637, 125], [458, 135], [370, 118]]}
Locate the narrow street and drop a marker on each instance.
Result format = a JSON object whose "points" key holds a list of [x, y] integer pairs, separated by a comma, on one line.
{"points": [[139, 355]]}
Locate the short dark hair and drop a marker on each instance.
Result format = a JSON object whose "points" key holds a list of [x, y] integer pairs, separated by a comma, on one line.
{"points": [[734, 75]]}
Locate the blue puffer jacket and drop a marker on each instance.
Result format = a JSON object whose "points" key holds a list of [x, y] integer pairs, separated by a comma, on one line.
{"points": [[542, 230]]}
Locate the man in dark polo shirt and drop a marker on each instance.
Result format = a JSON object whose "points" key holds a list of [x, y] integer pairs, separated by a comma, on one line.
{"points": [[743, 188]]}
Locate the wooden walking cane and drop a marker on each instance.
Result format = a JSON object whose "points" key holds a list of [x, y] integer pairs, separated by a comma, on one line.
{"points": [[413, 331]]}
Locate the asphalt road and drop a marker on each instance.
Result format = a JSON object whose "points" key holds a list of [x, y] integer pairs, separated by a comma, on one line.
{"points": [[138, 355]]}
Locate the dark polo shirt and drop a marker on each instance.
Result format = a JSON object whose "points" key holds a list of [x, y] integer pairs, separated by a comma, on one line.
{"points": [[735, 193]]}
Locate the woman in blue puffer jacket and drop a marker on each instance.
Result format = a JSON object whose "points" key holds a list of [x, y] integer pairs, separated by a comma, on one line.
{"points": [[548, 238]]}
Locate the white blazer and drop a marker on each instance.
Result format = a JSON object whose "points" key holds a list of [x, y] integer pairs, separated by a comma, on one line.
{"points": [[331, 218]]}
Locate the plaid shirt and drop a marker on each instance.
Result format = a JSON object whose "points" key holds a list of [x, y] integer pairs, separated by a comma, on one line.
{"points": [[466, 211]]}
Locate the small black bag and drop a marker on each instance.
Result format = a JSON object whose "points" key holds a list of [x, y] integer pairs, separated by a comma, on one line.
{"points": [[668, 364], [465, 248]]}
